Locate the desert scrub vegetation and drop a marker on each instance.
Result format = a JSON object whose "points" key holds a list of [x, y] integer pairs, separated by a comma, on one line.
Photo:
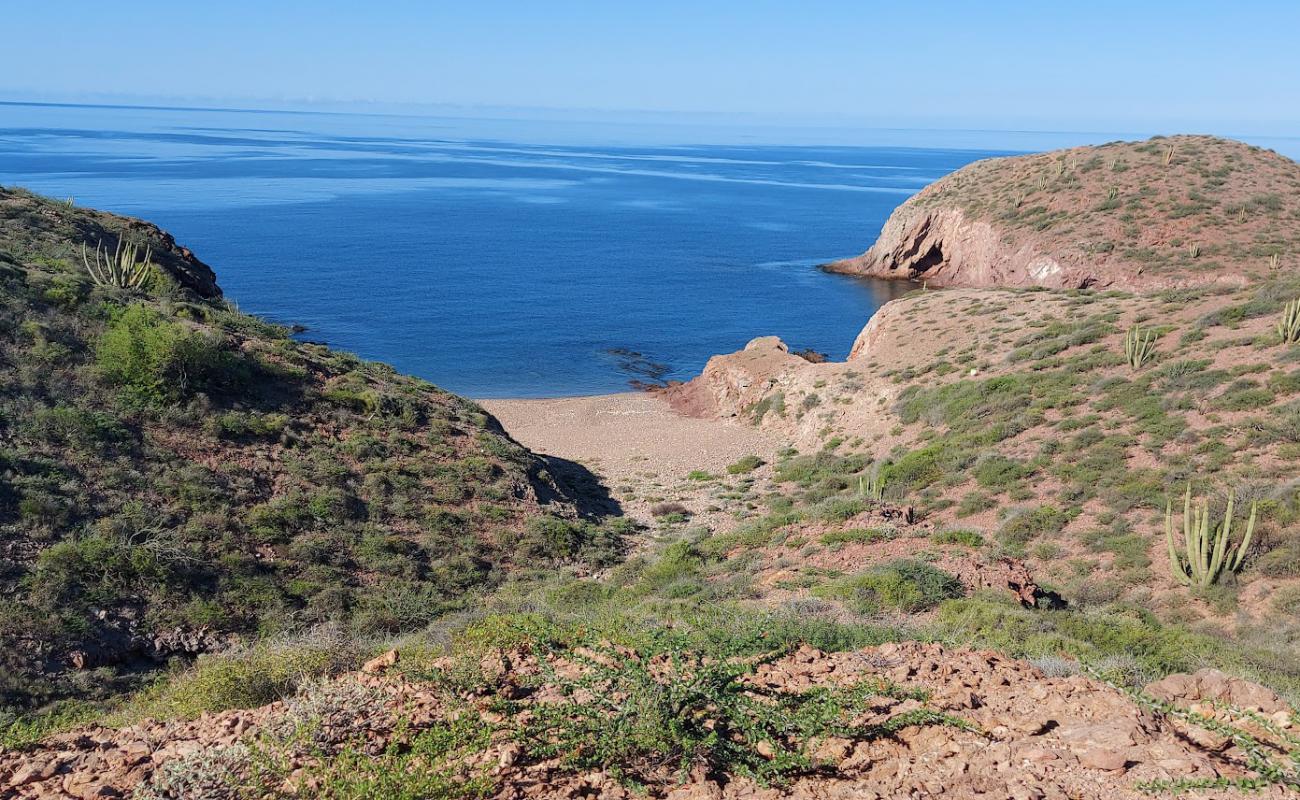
{"points": [[171, 466], [247, 676], [1127, 644], [157, 360], [745, 465], [668, 702], [905, 586], [671, 703]]}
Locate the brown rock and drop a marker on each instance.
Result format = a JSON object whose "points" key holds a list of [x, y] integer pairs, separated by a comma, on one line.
{"points": [[833, 751], [25, 774], [510, 754], [381, 663], [1103, 758]]}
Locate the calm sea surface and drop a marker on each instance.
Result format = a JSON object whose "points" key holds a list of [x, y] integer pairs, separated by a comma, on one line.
{"points": [[484, 256]]}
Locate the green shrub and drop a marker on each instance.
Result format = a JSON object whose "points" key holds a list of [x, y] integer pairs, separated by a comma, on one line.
{"points": [[917, 469], [1283, 561], [903, 585], [1097, 637], [974, 503], [95, 569], [1244, 395], [1287, 600], [78, 428], [839, 509], [239, 425], [744, 465], [967, 538], [855, 536], [556, 539], [426, 766], [997, 471], [28, 730], [246, 678], [1025, 525], [669, 703], [774, 403], [158, 361], [677, 573]]}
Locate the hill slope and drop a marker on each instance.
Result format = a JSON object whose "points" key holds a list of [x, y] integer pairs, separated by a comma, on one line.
{"points": [[174, 473], [1170, 211], [1016, 415]]}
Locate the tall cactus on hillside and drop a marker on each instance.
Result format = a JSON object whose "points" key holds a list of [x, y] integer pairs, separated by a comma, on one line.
{"points": [[1206, 554], [872, 485], [1139, 346], [1289, 326], [122, 268]]}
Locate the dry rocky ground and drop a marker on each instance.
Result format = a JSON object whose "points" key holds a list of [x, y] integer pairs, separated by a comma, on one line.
{"points": [[1008, 731]]}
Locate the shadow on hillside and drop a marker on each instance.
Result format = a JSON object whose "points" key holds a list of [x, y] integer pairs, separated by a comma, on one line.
{"points": [[582, 486]]}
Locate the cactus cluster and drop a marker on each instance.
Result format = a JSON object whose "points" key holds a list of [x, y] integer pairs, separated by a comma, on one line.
{"points": [[122, 268], [1139, 346], [872, 485], [1206, 553], [1289, 326]]}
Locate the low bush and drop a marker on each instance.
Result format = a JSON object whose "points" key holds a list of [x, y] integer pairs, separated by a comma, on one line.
{"points": [[905, 585], [157, 360], [966, 538], [671, 704], [744, 465], [855, 536], [247, 677], [1025, 525], [1095, 636]]}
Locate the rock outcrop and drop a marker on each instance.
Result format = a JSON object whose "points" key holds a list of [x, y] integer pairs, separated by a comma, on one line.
{"points": [[944, 247], [733, 383], [1168, 212]]}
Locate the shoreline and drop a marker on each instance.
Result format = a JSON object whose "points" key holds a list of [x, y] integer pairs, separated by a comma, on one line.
{"points": [[629, 435]]}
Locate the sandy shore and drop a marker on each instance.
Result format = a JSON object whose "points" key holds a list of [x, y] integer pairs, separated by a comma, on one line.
{"points": [[633, 433]]}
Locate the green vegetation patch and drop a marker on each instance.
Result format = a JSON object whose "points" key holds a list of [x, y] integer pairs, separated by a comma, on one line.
{"points": [[904, 585]]}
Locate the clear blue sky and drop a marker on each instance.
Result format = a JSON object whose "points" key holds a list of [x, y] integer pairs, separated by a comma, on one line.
{"points": [[1221, 67]]}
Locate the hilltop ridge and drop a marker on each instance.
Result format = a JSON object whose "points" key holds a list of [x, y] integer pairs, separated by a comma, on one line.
{"points": [[1167, 212]]}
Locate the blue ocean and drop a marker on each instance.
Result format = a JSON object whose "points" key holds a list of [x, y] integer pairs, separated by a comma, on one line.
{"points": [[496, 259]]}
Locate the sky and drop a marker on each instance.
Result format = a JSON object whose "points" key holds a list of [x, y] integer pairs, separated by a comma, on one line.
{"points": [[1211, 67]]}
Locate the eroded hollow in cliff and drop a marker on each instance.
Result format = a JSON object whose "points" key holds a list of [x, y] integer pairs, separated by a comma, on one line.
{"points": [[932, 258]]}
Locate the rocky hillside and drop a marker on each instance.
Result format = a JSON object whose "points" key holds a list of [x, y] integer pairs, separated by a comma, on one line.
{"points": [[1018, 417], [1167, 212], [175, 475]]}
